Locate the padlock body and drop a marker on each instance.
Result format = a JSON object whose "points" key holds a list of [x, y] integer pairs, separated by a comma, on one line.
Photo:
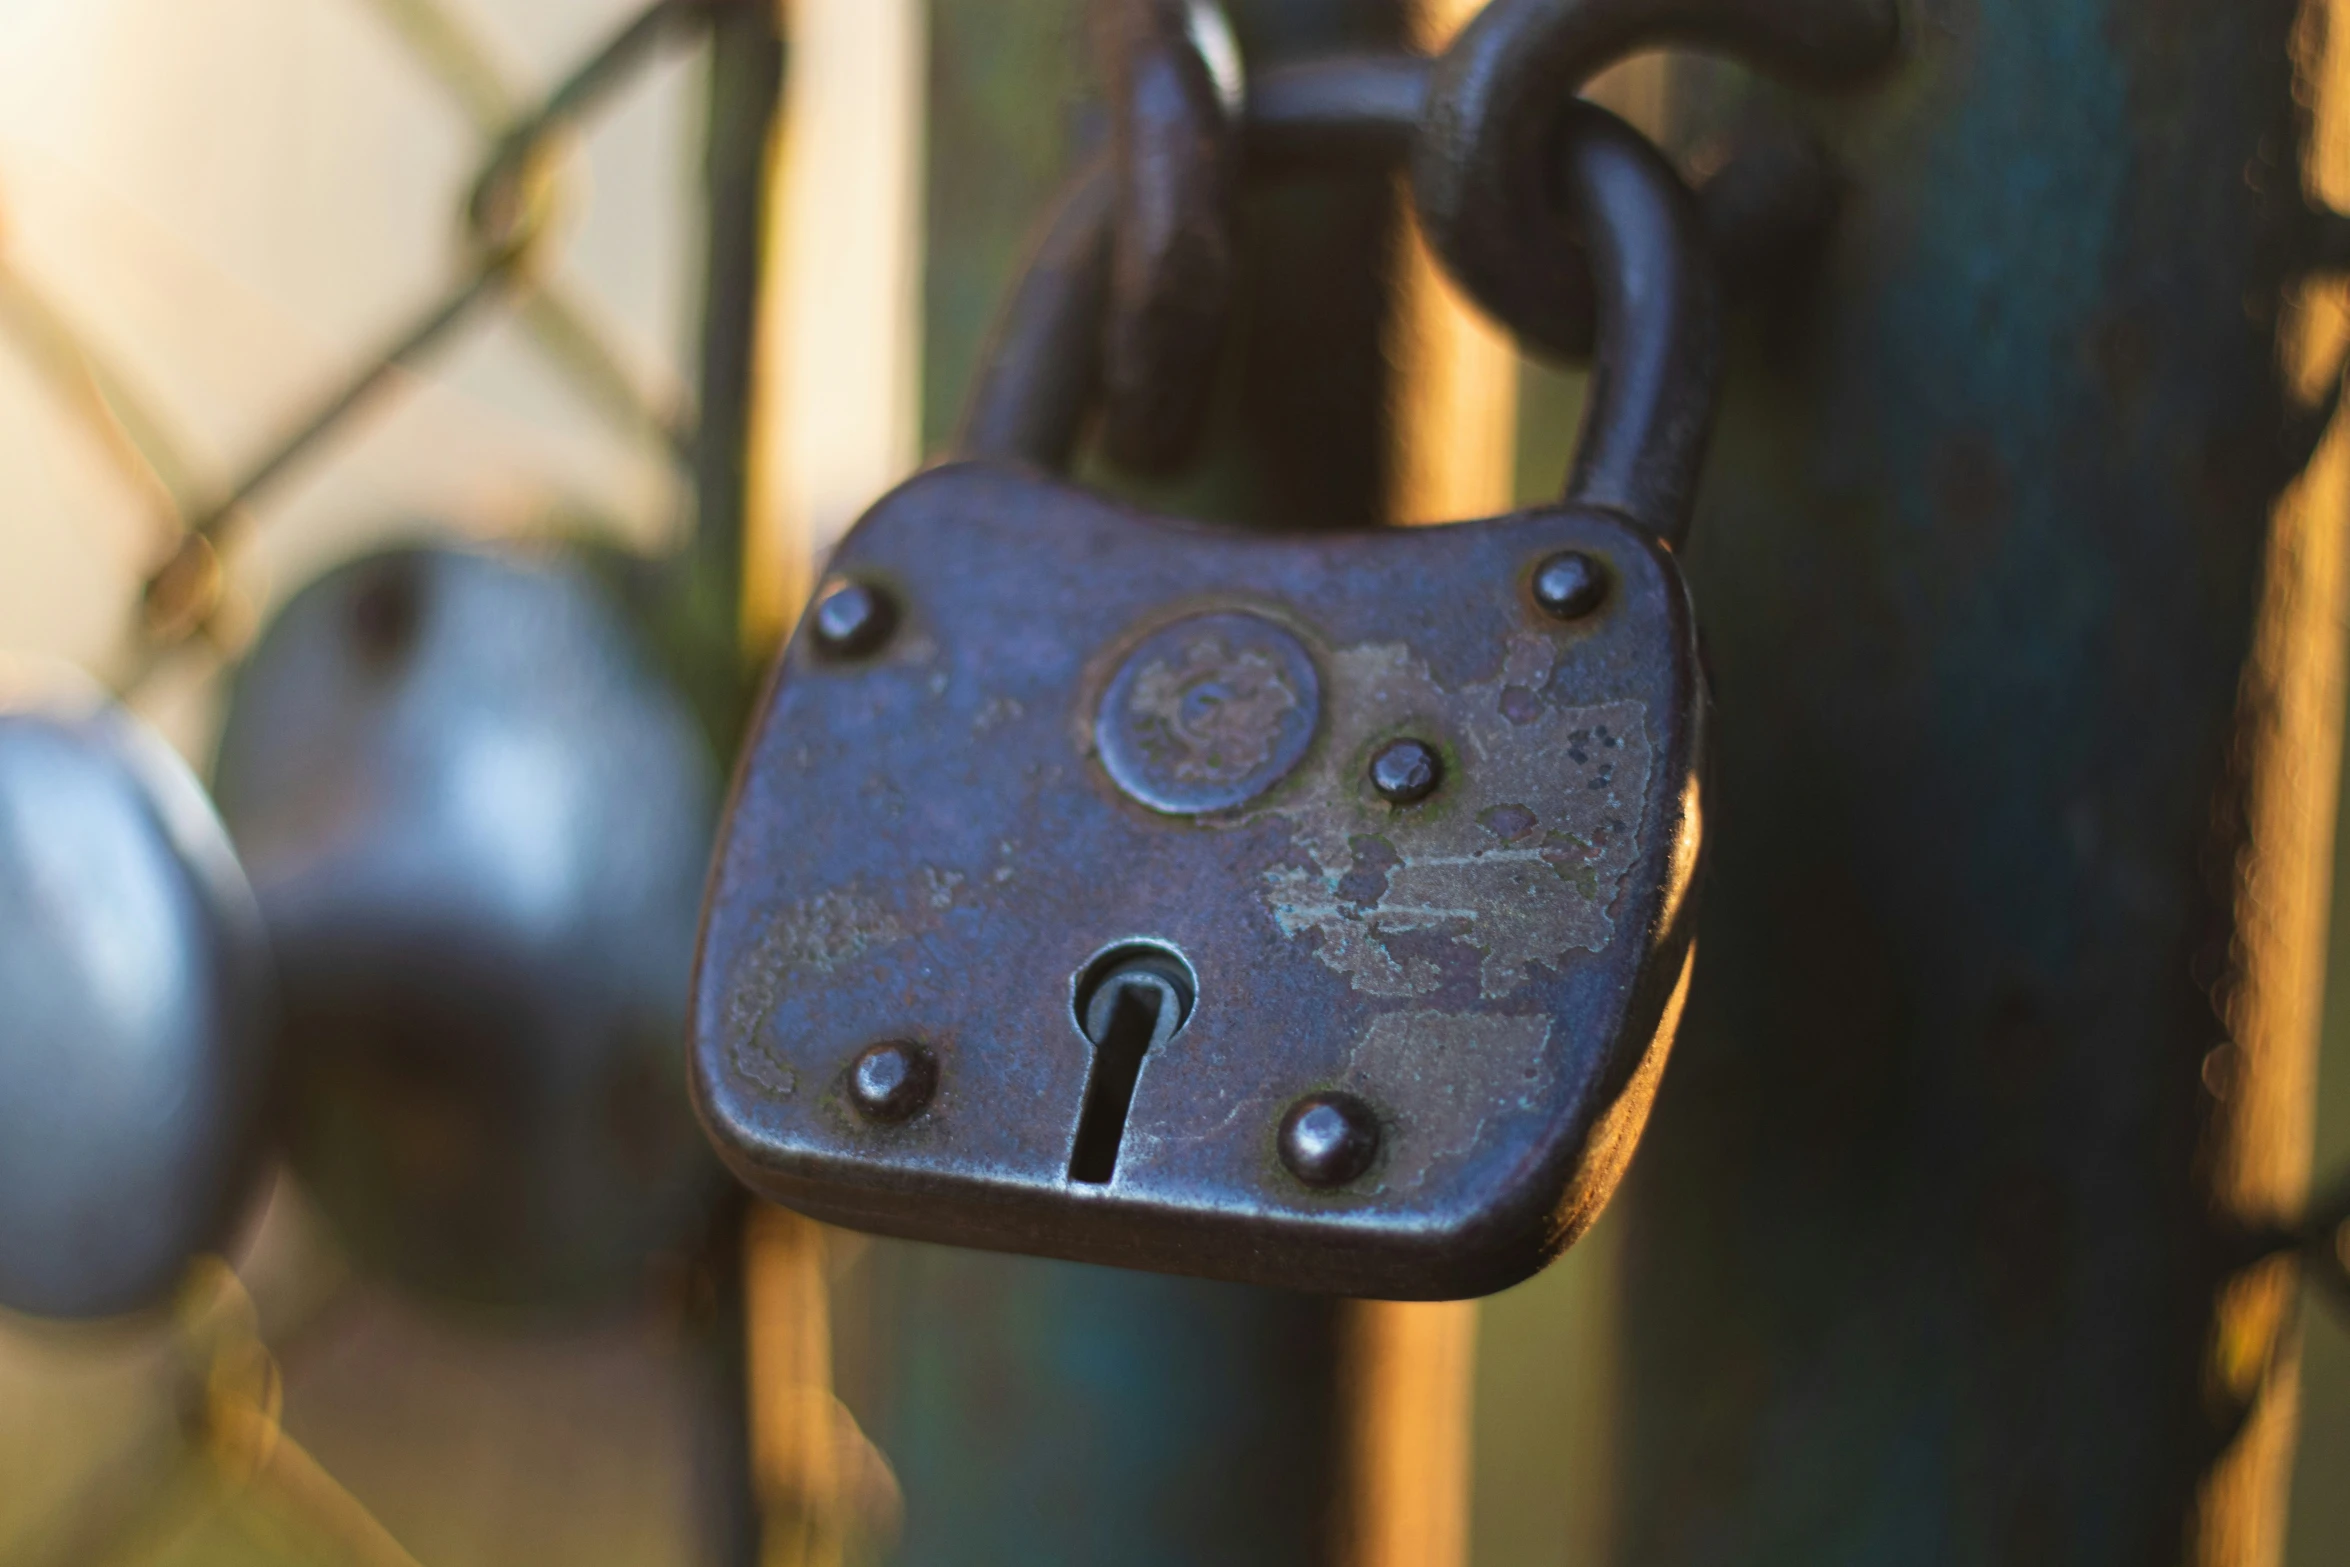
{"points": [[1092, 730]]}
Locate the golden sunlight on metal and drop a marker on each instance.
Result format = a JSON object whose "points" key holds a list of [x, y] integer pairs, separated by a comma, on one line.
{"points": [[2289, 743], [111, 247], [135, 440], [121, 421]]}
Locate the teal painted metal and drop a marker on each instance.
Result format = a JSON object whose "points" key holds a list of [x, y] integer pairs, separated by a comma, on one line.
{"points": [[1048, 1413], [1923, 1258]]}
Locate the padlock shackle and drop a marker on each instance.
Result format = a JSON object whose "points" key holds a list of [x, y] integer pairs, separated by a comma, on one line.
{"points": [[1653, 379], [1656, 364], [1041, 371]]}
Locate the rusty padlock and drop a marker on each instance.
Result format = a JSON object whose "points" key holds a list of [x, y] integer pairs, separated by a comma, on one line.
{"points": [[1311, 911]]}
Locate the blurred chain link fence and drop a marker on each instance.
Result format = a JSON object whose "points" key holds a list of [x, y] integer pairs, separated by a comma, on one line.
{"points": [[601, 1441]]}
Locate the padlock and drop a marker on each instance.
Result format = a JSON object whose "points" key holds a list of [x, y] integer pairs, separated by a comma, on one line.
{"points": [[477, 818], [135, 1015], [1310, 911]]}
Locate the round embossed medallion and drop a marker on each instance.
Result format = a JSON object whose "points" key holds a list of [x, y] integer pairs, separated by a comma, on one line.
{"points": [[1208, 713]]}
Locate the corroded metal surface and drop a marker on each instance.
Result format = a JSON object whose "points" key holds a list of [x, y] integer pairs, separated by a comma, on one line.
{"points": [[1139, 731], [927, 845]]}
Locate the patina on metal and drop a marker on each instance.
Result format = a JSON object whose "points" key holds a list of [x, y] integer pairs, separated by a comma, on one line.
{"points": [[136, 1003], [1043, 1410], [1209, 713], [1147, 732]]}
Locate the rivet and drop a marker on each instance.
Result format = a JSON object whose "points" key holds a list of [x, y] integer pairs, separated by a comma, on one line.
{"points": [[1329, 1139], [892, 1081], [1570, 585], [853, 619], [1406, 772]]}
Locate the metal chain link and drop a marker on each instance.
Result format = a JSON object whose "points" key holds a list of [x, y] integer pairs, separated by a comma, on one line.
{"points": [[1479, 126]]}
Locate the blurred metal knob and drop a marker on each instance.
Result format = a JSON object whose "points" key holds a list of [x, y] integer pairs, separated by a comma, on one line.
{"points": [[478, 821], [134, 1016]]}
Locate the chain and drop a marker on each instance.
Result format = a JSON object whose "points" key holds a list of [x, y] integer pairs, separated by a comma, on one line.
{"points": [[1144, 243], [1173, 72], [1479, 127]]}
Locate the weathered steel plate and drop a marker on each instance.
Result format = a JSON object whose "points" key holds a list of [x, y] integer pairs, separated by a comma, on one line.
{"points": [[927, 846]]}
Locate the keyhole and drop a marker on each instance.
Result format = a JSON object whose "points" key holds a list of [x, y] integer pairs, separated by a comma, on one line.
{"points": [[1131, 1000]]}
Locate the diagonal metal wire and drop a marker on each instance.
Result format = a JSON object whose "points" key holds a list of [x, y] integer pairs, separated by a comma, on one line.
{"points": [[463, 63], [457, 56], [411, 345], [118, 419], [568, 330], [508, 216], [213, 1439]]}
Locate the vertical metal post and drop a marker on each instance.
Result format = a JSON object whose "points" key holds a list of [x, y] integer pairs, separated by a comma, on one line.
{"points": [[726, 1502], [746, 76], [1045, 1412], [2017, 603], [746, 84]]}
